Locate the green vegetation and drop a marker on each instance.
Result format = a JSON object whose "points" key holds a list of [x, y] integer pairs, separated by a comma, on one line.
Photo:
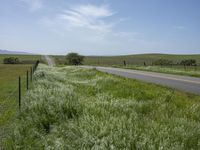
{"points": [[9, 94], [163, 62], [11, 60], [74, 59], [172, 64], [76, 108], [25, 59], [131, 59], [189, 62], [9, 88], [179, 70]]}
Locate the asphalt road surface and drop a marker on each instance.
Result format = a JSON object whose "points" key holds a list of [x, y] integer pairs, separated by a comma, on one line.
{"points": [[183, 83]]}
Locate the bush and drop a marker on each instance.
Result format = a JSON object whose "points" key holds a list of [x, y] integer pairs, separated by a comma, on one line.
{"points": [[11, 60], [188, 62], [74, 59], [163, 62]]}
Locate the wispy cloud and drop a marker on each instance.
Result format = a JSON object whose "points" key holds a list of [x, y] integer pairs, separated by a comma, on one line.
{"points": [[86, 16], [179, 27], [32, 4]]}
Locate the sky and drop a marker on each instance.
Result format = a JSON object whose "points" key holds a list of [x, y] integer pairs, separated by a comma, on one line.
{"points": [[100, 27]]}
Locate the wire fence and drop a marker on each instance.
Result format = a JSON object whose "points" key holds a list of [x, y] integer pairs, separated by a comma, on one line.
{"points": [[12, 102]]}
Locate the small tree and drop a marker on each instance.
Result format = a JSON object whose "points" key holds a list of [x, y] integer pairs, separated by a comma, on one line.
{"points": [[188, 62], [11, 60], [163, 62], [74, 59]]}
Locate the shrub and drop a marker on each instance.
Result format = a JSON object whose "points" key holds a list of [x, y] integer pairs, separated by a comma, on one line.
{"points": [[74, 59], [163, 62], [188, 62], [11, 60]]}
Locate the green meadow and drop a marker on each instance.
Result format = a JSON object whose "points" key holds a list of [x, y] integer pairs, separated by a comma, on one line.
{"points": [[23, 58], [9, 75], [130, 59], [137, 62], [76, 108]]}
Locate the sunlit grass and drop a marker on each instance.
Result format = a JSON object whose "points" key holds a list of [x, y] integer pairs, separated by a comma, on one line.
{"points": [[75, 108]]}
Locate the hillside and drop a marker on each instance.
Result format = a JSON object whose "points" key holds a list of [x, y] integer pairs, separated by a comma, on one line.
{"points": [[13, 52], [130, 59]]}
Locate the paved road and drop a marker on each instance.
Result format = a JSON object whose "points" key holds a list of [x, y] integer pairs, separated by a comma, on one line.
{"points": [[49, 60], [184, 83]]}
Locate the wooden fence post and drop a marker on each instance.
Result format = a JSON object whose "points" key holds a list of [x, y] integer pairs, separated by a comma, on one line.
{"points": [[19, 92], [31, 74], [124, 63], [144, 63], [184, 67], [27, 80]]}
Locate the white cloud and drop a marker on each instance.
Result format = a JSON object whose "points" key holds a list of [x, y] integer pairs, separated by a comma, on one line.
{"points": [[87, 16], [179, 27], [33, 4]]}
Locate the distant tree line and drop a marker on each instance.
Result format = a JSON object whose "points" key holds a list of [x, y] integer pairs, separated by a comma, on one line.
{"points": [[189, 62], [165, 62], [11, 60]]}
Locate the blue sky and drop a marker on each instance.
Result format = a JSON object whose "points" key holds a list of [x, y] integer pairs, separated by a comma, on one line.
{"points": [[100, 27]]}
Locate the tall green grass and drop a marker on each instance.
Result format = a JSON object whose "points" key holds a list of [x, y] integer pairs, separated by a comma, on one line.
{"points": [[9, 75], [75, 108]]}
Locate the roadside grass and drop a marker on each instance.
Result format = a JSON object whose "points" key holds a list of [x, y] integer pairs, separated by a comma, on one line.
{"points": [[179, 70], [9, 94], [76, 108]]}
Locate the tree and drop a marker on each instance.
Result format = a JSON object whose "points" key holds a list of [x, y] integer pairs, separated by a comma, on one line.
{"points": [[163, 62], [11, 60], [188, 62], [74, 59]]}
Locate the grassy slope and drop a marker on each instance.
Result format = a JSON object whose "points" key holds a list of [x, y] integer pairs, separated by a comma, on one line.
{"points": [[131, 59], [9, 93], [21, 57], [138, 59], [74, 108], [137, 62]]}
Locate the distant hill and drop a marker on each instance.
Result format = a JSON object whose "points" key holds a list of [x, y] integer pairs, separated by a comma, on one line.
{"points": [[137, 59], [13, 52]]}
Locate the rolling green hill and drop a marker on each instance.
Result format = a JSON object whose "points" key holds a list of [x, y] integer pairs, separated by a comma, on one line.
{"points": [[130, 59]]}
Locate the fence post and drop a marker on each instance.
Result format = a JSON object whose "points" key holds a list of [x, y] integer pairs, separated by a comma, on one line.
{"points": [[31, 74], [124, 63], [144, 63], [19, 92], [27, 80], [184, 67]]}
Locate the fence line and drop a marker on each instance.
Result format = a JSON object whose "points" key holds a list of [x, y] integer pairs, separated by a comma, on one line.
{"points": [[28, 78]]}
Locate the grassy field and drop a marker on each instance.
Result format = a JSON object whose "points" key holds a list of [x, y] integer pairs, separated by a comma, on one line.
{"points": [[9, 94], [75, 108], [137, 62], [9, 89], [130, 59], [23, 58]]}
